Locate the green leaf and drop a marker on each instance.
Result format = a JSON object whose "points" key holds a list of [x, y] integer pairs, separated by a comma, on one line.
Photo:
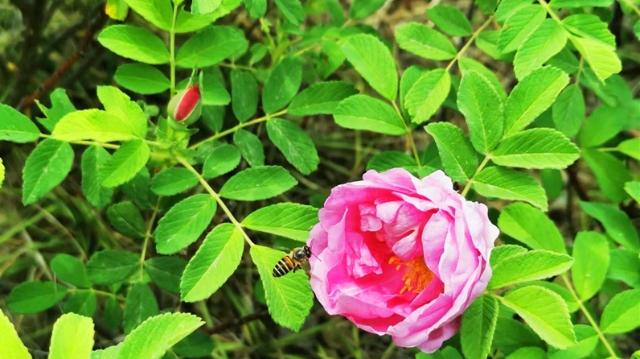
{"points": [[60, 107], [156, 335], [157, 12], [289, 298], [505, 183], [112, 313], [602, 59], [483, 110], [188, 22], [140, 304], [624, 265], [141, 78], [110, 266], [536, 148], [587, 341], [507, 8], [361, 9], [478, 327], [137, 190], [458, 157], [250, 147], [532, 96], [290, 220], [512, 334], [210, 46], [196, 345], [374, 63], [296, 146], [71, 270], [603, 124], [615, 222], [83, 303], [424, 41], [519, 26], [1, 173], [387, 160], [214, 262], [362, 112], [72, 337], [579, 3], [203, 7], [572, 302], [291, 10], [632, 188], [134, 43], [125, 163], [529, 266], [630, 148], [545, 312], [427, 95], [165, 272], [16, 127], [590, 26], [213, 90], [281, 85], [93, 158], [98, 126], [611, 173], [528, 353], [256, 8], [221, 160], [173, 180], [126, 219], [244, 94], [503, 252], [33, 297], [320, 98], [184, 223], [467, 64], [45, 168], [549, 39], [568, 110], [622, 313], [591, 252], [258, 183], [531, 226], [552, 182], [12, 346], [450, 20]]}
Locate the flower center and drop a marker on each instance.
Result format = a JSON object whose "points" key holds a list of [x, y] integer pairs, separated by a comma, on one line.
{"points": [[417, 275]]}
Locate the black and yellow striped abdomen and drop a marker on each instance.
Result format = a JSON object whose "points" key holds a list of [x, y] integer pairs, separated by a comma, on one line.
{"points": [[284, 266]]}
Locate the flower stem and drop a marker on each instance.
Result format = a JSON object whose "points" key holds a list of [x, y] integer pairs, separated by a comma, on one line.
{"points": [[412, 144], [172, 50], [467, 187], [147, 236], [469, 42]]}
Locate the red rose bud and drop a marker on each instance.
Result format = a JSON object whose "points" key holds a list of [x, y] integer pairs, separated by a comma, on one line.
{"points": [[186, 106]]}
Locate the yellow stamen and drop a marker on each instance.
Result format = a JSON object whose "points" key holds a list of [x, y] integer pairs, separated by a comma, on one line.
{"points": [[417, 275]]}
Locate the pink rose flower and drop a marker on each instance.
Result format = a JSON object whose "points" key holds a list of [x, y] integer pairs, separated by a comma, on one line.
{"points": [[401, 256]]}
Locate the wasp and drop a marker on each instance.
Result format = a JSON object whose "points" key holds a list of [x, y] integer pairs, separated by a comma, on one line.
{"points": [[292, 261]]}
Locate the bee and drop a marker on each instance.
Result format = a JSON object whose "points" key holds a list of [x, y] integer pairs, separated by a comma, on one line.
{"points": [[292, 261]]}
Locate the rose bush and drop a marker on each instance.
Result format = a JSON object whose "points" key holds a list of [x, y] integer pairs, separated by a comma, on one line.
{"points": [[401, 256]]}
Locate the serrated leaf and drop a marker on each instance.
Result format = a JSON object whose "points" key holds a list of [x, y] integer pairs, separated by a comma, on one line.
{"points": [[291, 10], [96, 125], [137, 189], [590, 26], [427, 95], [110, 266], [519, 26], [281, 85], [184, 223], [196, 345], [603, 124], [536, 148], [603, 60], [531, 226], [468, 64], [256, 8], [70, 269], [424, 41], [512, 334], [289, 298], [118, 103], [568, 110], [112, 313], [212, 88], [173, 180], [45, 168], [290, 220], [505, 183], [72, 337], [134, 43], [187, 22], [483, 110], [503, 252], [545, 312], [296, 146], [33, 297], [528, 353], [139, 305], [362, 112], [532, 96], [543, 44], [630, 148], [141, 78], [615, 222], [125, 163], [374, 63], [82, 303], [579, 3], [214, 262], [165, 272], [360, 9], [93, 158], [591, 252], [126, 219], [387, 160], [12, 347], [622, 313], [221, 160], [203, 7], [60, 107], [210, 46], [572, 302], [450, 20], [244, 94], [258, 183], [457, 154], [632, 188], [507, 8], [529, 266], [152, 338], [320, 98], [478, 327], [611, 173], [250, 147]]}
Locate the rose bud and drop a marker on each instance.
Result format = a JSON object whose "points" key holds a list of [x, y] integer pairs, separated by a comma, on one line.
{"points": [[186, 106], [401, 256]]}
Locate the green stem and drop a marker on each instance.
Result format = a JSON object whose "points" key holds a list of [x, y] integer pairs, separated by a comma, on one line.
{"points": [[469, 42], [549, 11], [86, 143], [147, 236], [213, 194], [467, 187], [412, 143], [172, 50]]}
